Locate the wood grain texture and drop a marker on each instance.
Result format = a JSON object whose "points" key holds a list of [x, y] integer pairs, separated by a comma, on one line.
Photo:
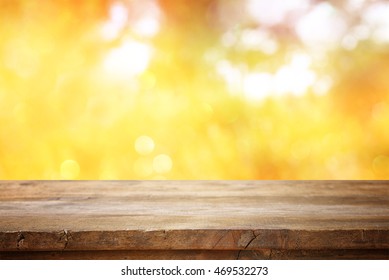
{"points": [[233, 216], [263, 254]]}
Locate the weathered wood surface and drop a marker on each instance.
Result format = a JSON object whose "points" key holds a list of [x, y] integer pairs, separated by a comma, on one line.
{"points": [[263, 254], [236, 216]]}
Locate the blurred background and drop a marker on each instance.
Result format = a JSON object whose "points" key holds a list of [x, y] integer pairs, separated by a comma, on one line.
{"points": [[208, 89]]}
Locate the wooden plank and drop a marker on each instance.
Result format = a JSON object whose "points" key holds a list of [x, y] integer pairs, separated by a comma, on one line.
{"points": [[193, 215], [195, 240], [263, 254], [122, 255], [269, 254]]}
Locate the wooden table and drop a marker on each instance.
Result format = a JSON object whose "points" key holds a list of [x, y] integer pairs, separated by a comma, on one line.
{"points": [[194, 219]]}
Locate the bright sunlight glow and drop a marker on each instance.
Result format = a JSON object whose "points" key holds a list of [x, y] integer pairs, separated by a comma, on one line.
{"points": [[130, 59]]}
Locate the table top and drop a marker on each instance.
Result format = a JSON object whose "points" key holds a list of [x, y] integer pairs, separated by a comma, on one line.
{"points": [[198, 215]]}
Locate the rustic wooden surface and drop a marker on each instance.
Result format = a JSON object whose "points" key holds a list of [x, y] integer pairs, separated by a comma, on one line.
{"points": [[201, 219], [264, 254]]}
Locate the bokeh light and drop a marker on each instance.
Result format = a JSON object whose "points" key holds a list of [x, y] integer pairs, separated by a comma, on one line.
{"points": [[162, 164], [208, 89], [144, 145]]}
